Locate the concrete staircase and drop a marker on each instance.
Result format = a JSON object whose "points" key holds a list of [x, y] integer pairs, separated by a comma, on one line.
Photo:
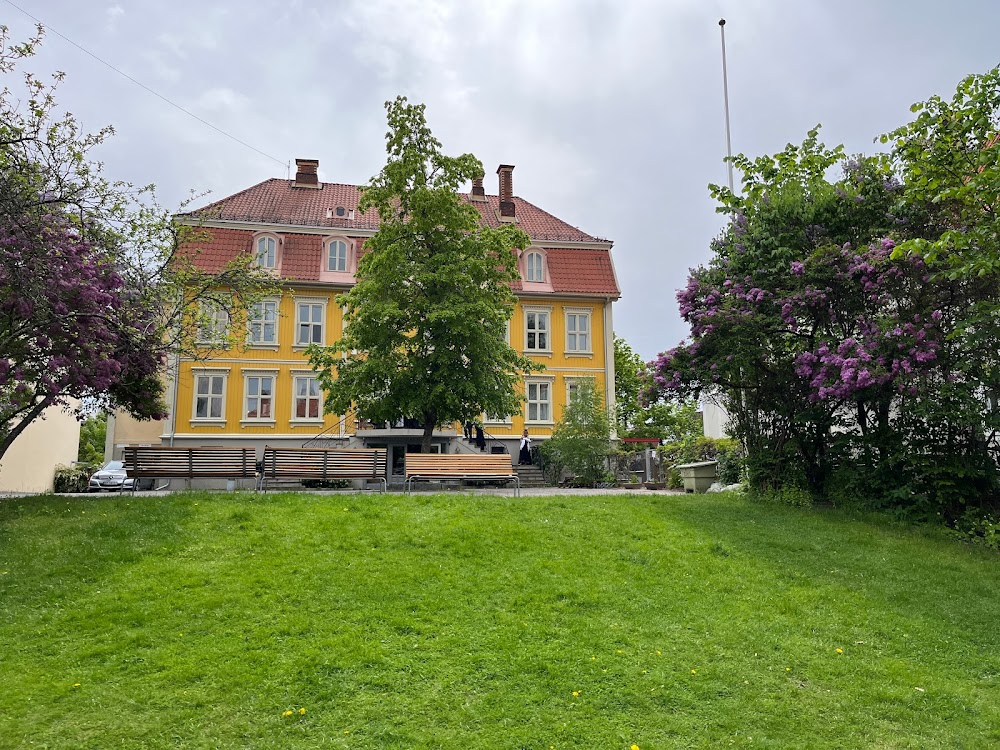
{"points": [[530, 476]]}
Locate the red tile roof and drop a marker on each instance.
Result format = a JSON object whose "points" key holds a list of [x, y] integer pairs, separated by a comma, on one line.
{"points": [[276, 201], [577, 270]]}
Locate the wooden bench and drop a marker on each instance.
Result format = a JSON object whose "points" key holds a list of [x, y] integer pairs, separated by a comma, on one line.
{"points": [[433, 467], [323, 463], [163, 462]]}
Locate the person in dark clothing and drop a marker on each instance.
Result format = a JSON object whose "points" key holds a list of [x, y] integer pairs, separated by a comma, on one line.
{"points": [[480, 437], [524, 457], [468, 430]]}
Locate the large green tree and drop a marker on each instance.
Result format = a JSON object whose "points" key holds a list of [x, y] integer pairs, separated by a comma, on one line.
{"points": [[429, 311]]}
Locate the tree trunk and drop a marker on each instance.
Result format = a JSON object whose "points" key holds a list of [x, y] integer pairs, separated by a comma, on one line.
{"points": [[27, 419], [430, 419]]}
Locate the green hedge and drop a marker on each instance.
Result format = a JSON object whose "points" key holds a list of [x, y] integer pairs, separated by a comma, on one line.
{"points": [[73, 478]]}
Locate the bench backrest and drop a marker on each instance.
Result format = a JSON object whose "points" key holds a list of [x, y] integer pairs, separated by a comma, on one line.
{"points": [[324, 463], [167, 462], [456, 465]]}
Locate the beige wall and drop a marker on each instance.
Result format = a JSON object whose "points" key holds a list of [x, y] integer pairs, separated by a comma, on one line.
{"points": [[29, 464], [126, 430]]}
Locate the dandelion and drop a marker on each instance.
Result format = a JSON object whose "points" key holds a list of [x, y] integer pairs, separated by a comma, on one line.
{"points": [[634, 747], [659, 653], [788, 669], [76, 684], [286, 714], [576, 693], [302, 712], [840, 650], [694, 671], [619, 651]]}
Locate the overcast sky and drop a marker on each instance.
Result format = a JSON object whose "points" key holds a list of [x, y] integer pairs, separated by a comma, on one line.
{"points": [[611, 111]]}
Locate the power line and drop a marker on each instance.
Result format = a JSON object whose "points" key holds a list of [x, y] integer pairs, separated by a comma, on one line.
{"points": [[144, 86]]}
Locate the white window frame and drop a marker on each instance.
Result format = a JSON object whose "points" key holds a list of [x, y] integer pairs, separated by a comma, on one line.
{"points": [[263, 240], [253, 322], [534, 267], [213, 323], [572, 383], [577, 314], [312, 302], [258, 375], [538, 385], [306, 376], [328, 245], [547, 331], [209, 374]]}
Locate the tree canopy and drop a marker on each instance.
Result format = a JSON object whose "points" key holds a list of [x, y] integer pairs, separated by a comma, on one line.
{"points": [[433, 297], [849, 324], [94, 295]]}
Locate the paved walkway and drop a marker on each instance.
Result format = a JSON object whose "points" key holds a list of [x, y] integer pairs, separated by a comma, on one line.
{"points": [[422, 490]]}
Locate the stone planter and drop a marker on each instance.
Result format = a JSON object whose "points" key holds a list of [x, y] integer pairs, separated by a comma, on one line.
{"points": [[698, 477]]}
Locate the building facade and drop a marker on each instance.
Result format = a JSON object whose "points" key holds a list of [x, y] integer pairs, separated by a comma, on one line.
{"points": [[311, 235]]}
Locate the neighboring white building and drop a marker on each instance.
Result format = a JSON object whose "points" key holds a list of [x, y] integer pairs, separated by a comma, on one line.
{"points": [[714, 417], [29, 464]]}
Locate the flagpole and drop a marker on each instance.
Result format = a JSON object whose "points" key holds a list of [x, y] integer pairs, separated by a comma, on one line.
{"points": [[725, 94]]}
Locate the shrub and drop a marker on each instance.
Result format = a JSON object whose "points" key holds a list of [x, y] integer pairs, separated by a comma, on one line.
{"points": [[724, 450], [72, 478]]}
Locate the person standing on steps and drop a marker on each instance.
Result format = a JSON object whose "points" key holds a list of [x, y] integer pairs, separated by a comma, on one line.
{"points": [[524, 457], [480, 437]]}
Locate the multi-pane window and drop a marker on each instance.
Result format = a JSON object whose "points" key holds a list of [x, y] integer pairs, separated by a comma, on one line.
{"points": [[213, 322], [537, 330], [259, 397], [264, 322], [308, 404], [209, 396], [309, 323], [533, 267], [336, 255], [578, 331], [539, 401], [573, 386], [266, 254]]}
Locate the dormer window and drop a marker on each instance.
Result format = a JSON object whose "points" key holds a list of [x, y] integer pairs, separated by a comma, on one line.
{"points": [[336, 256], [534, 267], [266, 252]]}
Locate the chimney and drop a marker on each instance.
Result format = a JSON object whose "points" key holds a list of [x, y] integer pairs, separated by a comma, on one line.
{"points": [[478, 191], [506, 172], [306, 173]]}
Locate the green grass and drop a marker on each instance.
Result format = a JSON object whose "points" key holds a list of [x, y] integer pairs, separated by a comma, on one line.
{"points": [[457, 621]]}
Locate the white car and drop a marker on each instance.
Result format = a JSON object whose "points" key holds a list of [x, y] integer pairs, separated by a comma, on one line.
{"points": [[110, 477]]}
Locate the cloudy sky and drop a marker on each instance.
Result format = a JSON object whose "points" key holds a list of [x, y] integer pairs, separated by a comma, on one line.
{"points": [[611, 110]]}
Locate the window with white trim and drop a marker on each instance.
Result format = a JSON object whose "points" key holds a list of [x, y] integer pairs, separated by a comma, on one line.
{"points": [[263, 323], [536, 330], [258, 401], [309, 322], [578, 331], [266, 252], [213, 322], [573, 387], [307, 398], [539, 402], [336, 256], [210, 396], [534, 267]]}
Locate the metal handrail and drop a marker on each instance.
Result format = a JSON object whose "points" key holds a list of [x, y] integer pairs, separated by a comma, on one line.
{"points": [[340, 427]]}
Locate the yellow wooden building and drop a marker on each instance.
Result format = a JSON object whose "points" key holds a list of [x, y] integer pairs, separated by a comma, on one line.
{"points": [[310, 234]]}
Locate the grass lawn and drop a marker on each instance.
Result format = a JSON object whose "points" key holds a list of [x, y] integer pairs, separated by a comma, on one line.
{"points": [[455, 621]]}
